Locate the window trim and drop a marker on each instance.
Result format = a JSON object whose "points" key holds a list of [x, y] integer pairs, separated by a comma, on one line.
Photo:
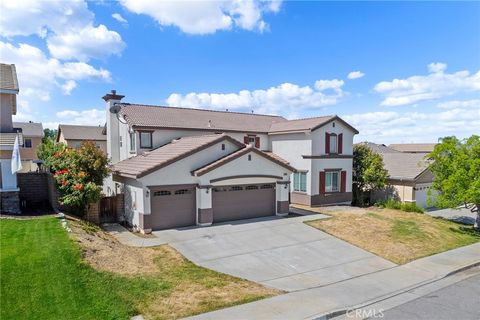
{"points": [[335, 145], [142, 146], [133, 138], [330, 172], [299, 174]]}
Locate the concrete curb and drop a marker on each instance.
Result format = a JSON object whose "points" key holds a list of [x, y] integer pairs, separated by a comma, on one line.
{"points": [[344, 310]]}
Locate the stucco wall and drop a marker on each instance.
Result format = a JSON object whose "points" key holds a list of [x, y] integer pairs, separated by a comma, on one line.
{"points": [[322, 164], [318, 138], [6, 112]]}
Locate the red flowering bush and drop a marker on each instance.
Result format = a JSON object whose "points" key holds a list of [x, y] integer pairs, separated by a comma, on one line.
{"points": [[79, 173]]}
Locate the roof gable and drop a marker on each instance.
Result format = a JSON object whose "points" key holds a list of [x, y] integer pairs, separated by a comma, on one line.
{"points": [[148, 162], [237, 154], [307, 124], [75, 132]]}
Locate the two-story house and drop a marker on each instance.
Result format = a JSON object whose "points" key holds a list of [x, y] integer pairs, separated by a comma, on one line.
{"points": [[74, 135], [179, 167]]}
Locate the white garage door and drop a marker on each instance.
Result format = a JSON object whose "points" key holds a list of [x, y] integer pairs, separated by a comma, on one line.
{"points": [[421, 194]]}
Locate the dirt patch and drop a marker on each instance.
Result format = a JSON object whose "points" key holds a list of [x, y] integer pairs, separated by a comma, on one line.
{"points": [[104, 252]]}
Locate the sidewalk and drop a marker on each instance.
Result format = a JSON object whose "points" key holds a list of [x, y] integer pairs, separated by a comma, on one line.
{"points": [[353, 293]]}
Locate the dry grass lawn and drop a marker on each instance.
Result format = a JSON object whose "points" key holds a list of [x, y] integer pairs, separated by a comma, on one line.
{"points": [[182, 288], [393, 234]]}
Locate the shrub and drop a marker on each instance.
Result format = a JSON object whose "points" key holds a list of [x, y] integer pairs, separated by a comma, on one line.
{"points": [[397, 205]]}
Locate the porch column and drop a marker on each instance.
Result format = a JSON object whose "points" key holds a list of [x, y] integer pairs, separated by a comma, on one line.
{"points": [[204, 205], [283, 190]]}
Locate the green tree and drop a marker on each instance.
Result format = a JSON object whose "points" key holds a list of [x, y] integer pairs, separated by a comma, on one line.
{"points": [[49, 134], [456, 171], [368, 173], [79, 173]]}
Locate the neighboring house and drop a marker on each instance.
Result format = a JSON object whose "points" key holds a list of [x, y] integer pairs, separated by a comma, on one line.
{"points": [[409, 178], [32, 133], [179, 167], [73, 135], [413, 147], [9, 192]]}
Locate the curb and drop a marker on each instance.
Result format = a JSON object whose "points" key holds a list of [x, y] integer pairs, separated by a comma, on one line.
{"points": [[344, 310]]}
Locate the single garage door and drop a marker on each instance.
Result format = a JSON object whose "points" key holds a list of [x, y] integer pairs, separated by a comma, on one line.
{"points": [[173, 207], [243, 202]]}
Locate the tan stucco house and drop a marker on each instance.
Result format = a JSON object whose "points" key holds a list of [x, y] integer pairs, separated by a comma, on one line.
{"points": [[409, 178], [180, 167], [74, 135]]}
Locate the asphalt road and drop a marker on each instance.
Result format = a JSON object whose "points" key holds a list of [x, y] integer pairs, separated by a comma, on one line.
{"points": [[459, 301]]}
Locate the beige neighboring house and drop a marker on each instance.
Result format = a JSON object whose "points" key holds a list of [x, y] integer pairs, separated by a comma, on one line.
{"points": [[73, 135], [413, 147], [409, 178], [32, 133]]}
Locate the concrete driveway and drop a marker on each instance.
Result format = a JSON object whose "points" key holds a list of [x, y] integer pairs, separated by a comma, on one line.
{"points": [[283, 253]]}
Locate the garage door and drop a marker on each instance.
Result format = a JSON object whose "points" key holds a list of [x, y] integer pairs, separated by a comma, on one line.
{"points": [[243, 202], [173, 207]]}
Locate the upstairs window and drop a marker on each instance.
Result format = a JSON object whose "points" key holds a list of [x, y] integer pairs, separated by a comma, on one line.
{"points": [[132, 142], [145, 140], [27, 143], [300, 181], [333, 143]]}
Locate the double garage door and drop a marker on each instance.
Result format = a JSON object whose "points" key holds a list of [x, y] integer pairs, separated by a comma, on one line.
{"points": [[174, 207]]}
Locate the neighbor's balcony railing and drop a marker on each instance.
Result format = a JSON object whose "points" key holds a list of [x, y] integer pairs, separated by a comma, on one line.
{"points": [[7, 140]]}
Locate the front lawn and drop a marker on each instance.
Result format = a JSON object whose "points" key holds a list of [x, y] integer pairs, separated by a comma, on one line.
{"points": [[392, 234], [46, 274]]}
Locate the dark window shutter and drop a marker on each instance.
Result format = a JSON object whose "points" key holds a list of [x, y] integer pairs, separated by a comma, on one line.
{"points": [[257, 142], [322, 182], [340, 143], [343, 181], [245, 139], [327, 143]]}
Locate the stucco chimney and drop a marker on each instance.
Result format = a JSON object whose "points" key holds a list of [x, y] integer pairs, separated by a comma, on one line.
{"points": [[113, 142]]}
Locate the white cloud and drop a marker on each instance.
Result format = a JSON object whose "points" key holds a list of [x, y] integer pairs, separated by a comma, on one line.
{"points": [[475, 103], [91, 117], [86, 43], [204, 17], [285, 99], [355, 75], [38, 75], [67, 27], [396, 127], [436, 84], [117, 16], [68, 86]]}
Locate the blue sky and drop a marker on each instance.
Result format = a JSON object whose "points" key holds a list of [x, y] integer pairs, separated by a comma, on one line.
{"points": [[414, 66]]}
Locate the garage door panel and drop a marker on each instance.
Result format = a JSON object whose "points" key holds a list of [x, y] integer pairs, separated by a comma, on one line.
{"points": [[243, 202], [173, 207]]}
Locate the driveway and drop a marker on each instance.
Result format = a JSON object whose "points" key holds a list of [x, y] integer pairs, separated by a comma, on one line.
{"points": [[461, 215], [283, 253]]}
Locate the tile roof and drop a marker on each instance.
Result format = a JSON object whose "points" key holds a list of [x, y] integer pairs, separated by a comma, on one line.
{"points": [[218, 163], [309, 124], [148, 162], [30, 129], [172, 117], [379, 148], [74, 132], [406, 166], [413, 147], [8, 77]]}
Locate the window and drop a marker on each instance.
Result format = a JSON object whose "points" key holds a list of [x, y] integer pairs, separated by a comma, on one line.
{"points": [[331, 181], [251, 139], [333, 143], [146, 140], [236, 188], [249, 157], [183, 191], [223, 146], [162, 193], [251, 188], [300, 181], [27, 143], [267, 186], [132, 142]]}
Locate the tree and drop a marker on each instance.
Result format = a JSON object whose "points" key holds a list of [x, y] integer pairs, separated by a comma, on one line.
{"points": [[49, 134], [79, 173], [456, 169], [368, 173]]}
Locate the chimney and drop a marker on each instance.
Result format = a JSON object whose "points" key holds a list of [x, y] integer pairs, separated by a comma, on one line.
{"points": [[113, 134]]}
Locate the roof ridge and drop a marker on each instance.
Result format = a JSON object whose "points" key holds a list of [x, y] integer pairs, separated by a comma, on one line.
{"points": [[199, 109], [318, 117]]}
